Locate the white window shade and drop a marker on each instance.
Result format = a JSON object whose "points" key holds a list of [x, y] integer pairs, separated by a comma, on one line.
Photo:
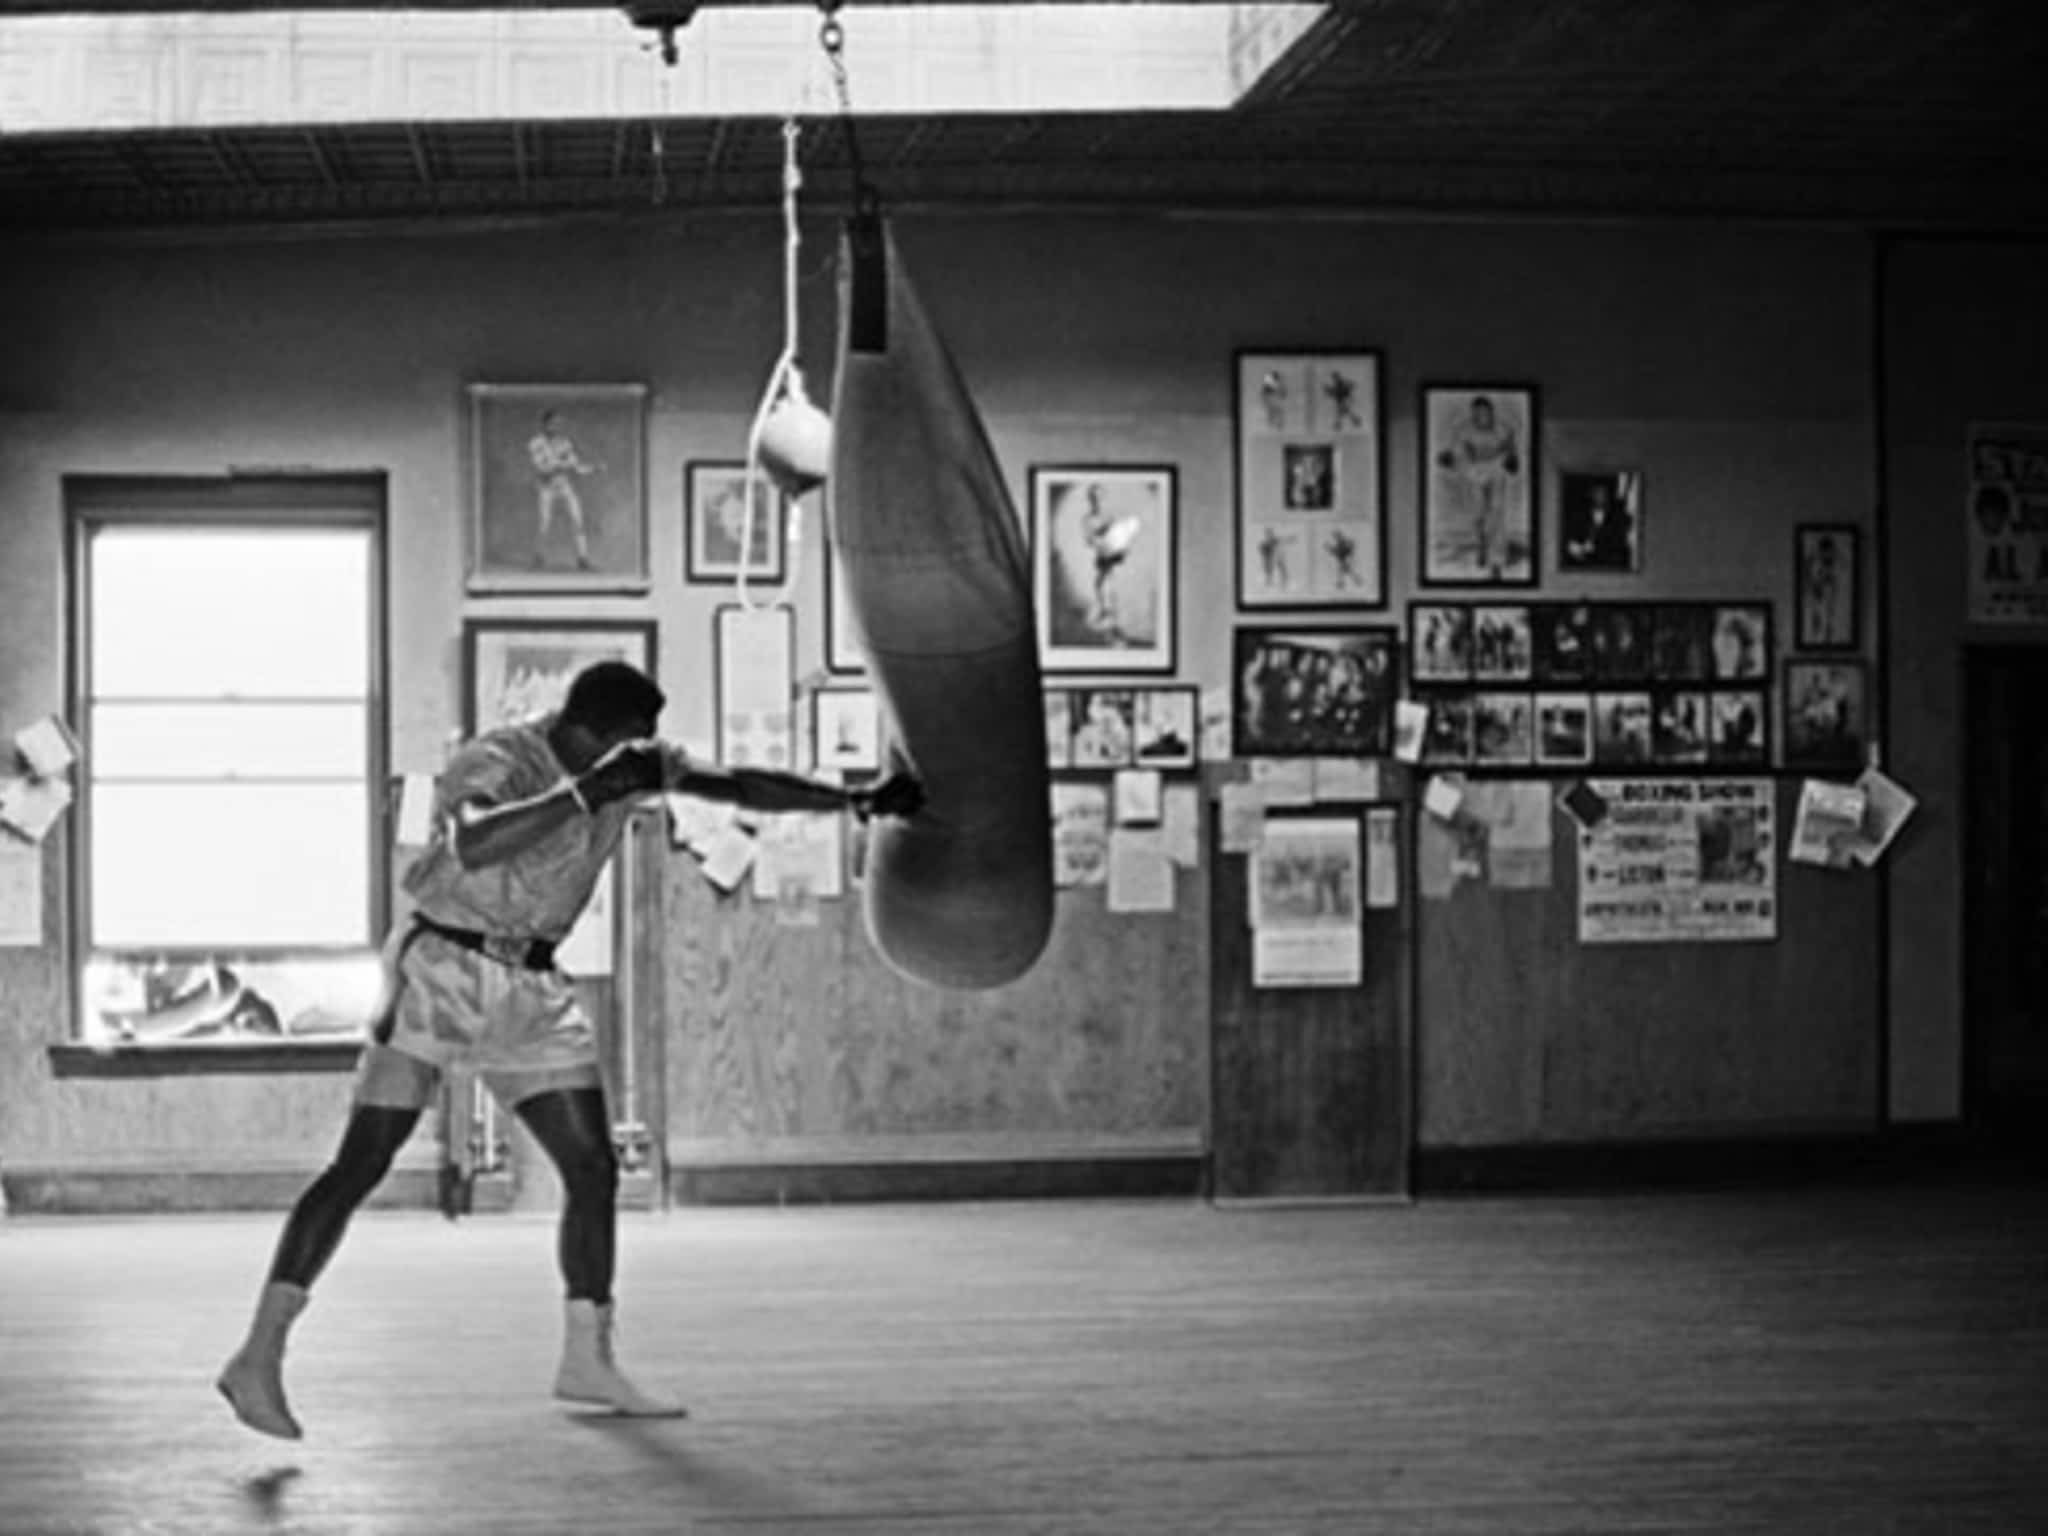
{"points": [[230, 866]]}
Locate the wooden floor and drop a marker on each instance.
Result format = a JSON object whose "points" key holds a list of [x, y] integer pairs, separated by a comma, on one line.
{"points": [[1859, 1361]]}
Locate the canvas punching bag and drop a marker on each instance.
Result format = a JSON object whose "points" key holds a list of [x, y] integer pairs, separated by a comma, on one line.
{"points": [[935, 572]]}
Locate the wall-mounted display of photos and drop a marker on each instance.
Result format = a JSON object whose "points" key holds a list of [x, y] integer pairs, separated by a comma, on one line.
{"points": [[1122, 727], [1311, 480], [1576, 684]]}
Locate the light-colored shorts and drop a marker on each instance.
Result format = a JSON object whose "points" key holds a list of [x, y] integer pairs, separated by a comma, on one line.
{"points": [[521, 1031]]}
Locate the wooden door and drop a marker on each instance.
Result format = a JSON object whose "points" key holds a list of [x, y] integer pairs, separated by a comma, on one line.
{"points": [[1312, 1090]]}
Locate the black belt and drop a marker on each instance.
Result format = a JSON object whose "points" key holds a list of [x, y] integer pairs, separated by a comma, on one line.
{"points": [[527, 954]]}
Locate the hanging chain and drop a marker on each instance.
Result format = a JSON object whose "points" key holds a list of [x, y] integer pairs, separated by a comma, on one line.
{"points": [[832, 38]]}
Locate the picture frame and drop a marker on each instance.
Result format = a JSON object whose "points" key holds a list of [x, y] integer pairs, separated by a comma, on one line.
{"points": [[1447, 737], [1503, 728], [1741, 642], [1741, 726], [1314, 691], [1104, 569], [514, 670], [753, 663], [1622, 725], [1309, 478], [557, 488], [1562, 642], [1600, 521], [1167, 727], [1481, 456], [1681, 724], [1827, 715], [1564, 729], [1682, 642], [844, 655], [846, 729], [1102, 727], [715, 498], [1439, 643], [1503, 643], [1827, 595]]}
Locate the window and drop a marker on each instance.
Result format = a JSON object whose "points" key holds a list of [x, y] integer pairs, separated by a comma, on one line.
{"points": [[230, 873]]}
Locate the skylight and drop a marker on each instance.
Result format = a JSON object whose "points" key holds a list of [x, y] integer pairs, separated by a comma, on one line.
{"points": [[125, 73]]}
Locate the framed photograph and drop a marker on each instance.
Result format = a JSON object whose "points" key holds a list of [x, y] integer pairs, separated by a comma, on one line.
{"points": [[846, 729], [753, 654], [1741, 727], [1680, 726], [1311, 479], [1103, 724], [1828, 610], [1503, 731], [1563, 642], [1314, 692], [1564, 729], [514, 670], [1741, 642], [557, 488], [1503, 646], [1621, 728], [1479, 469], [1059, 729], [1166, 728], [1682, 642], [1439, 642], [1827, 715], [845, 655], [715, 518], [1103, 569], [1600, 521], [1447, 739], [1622, 637]]}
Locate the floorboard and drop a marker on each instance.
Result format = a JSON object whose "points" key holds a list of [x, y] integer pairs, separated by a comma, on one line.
{"points": [[1862, 1360]]}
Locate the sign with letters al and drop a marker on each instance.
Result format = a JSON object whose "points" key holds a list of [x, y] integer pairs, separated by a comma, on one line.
{"points": [[1679, 861], [2007, 525]]}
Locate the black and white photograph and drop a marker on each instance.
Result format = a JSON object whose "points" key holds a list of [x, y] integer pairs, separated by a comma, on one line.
{"points": [[1827, 715], [1622, 638], [1502, 729], [1600, 521], [730, 534], [1439, 642], [1315, 692], [1102, 555], [1479, 512], [557, 482], [1564, 729], [1682, 642], [1681, 725], [1828, 603], [1503, 644], [1447, 739], [1104, 727], [1563, 635], [1742, 642], [1741, 726], [1311, 480], [1623, 724], [1165, 727]]}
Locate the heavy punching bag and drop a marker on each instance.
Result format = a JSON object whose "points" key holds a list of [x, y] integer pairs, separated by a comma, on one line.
{"points": [[938, 580]]}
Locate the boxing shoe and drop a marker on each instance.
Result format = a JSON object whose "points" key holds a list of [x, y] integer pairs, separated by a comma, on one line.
{"points": [[590, 1372], [253, 1379]]}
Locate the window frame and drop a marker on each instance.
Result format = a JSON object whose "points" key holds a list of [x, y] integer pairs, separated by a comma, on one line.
{"points": [[95, 503]]}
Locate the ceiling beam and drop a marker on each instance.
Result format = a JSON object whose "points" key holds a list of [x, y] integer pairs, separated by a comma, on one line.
{"points": [[229, 7]]}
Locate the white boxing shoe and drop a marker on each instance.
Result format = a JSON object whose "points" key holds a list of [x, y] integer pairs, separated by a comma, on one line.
{"points": [[253, 1379], [590, 1374]]}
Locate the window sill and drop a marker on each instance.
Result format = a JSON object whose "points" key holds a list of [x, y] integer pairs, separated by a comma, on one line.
{"points": [[193, 1059]]}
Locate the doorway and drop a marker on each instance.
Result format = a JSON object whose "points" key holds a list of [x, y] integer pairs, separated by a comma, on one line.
{"points": [[2005, 900]]}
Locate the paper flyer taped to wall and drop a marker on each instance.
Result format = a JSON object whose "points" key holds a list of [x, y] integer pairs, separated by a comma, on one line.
{"points": [[1828, 821], [47, 746], [32, 806]]}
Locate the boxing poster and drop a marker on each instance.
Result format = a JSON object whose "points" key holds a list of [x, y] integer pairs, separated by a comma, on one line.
{"points": [[2006, 525], [1679, 861]]}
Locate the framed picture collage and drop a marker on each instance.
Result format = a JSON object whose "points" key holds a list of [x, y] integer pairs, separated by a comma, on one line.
{"points": [[1572, 684]]}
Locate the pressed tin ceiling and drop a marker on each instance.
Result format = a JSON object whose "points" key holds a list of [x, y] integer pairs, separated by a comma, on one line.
{"points": [[1886, 113]]}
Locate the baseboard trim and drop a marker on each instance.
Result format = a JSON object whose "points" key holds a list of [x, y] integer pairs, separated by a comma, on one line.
{"points": [[60, 1191], [1887, 1156], [1168, 1175]]}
